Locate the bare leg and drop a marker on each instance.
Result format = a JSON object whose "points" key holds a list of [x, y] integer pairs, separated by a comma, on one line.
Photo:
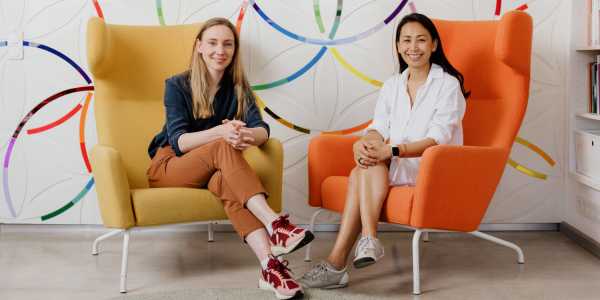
{"points": [[350, 225], [257, 204], [372, 190], [259, 242]]}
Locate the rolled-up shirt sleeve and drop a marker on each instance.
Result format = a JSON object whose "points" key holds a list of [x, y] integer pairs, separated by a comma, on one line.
{"points": [[381, 117], [254, 118], [177, 120], [449, 111]]}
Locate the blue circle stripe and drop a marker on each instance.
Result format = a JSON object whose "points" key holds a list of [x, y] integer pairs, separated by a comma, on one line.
{"points": [[322, 42]]}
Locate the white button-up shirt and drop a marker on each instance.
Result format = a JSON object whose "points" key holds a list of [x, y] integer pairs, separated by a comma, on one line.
{"points": [[437, 113]]}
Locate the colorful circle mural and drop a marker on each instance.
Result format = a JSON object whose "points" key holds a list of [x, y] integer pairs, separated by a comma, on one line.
{"points": [[328, 44]]}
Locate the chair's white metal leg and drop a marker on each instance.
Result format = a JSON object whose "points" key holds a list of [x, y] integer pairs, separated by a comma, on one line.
{"points": [[425, 236], [312, 229], [103, 237], [211, 232], [415, 256], [125, 254], [493, 239]]}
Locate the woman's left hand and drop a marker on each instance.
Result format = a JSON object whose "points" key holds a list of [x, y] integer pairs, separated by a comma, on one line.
{"points": [[245, 139]]}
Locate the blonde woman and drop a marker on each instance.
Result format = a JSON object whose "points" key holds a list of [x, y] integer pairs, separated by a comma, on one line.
{"points": [[211, 118]]}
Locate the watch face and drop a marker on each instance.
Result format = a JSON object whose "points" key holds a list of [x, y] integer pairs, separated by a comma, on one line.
{"points": [[395, 151]]}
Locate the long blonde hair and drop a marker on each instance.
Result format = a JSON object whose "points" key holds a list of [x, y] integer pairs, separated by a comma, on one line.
{"points": [[200, 78]]}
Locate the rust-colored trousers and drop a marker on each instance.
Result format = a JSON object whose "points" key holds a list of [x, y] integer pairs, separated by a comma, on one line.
{"points": [[219, 167]]}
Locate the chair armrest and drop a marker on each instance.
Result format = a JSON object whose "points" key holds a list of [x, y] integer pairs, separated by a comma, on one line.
{"points": [[112, 186], [455, 185], [267, 162], [328, 155]]}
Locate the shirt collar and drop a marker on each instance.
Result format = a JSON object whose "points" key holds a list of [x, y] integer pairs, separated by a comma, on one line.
{"points": [[435, 71]]}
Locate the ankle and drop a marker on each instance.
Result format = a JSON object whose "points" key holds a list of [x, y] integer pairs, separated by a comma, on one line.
{"points": [[369, 235], [335, 264], [270, 224], [269, 228]]}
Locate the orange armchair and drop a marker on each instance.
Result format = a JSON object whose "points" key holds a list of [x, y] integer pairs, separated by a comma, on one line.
{"points": [[455, 183]]}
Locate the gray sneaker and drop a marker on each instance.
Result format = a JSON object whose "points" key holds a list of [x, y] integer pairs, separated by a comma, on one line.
{"points": [[324, 276], [368, 251]]}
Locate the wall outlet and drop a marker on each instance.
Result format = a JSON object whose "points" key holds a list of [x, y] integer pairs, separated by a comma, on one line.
{"points": [[15, 46]]}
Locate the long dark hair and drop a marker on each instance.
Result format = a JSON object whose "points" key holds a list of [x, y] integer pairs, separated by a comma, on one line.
{"points": [[438, 56]]}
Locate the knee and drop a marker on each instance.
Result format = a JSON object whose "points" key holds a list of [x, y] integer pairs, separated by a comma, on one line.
{"points": [[377, 170], [380, 167], [220, 143], [222, 146]]}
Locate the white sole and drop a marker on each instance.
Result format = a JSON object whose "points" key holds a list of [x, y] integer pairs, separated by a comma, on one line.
{"points": [[342, 284], [278, 251], [361, 262], [263, 285]]}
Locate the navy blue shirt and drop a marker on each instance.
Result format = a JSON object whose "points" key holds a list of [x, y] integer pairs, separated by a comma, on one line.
{"points": [[180, 117]]}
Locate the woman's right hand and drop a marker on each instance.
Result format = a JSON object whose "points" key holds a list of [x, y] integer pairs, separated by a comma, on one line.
{"points": [[361, 150], [230, 131]]}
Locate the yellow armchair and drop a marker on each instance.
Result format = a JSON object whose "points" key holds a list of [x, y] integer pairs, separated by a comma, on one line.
{"points": [[129, 65]]}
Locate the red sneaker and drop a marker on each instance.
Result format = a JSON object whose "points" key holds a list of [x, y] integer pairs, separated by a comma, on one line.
{"points": [[287, 237], [276, 278]]}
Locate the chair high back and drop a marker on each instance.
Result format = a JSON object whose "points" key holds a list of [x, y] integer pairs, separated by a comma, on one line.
{"points": [[494, 57], [129, 85]]}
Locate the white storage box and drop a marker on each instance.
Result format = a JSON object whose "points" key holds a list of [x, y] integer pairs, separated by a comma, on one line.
{"points": [[587, 153]]}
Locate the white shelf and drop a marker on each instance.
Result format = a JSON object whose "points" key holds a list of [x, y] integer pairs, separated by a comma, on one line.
{"points": [[593, 183], [588, 48], [589, 116]]}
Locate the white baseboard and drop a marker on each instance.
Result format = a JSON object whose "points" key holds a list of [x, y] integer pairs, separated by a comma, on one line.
{"points": [[195, 227], [581, 238]]}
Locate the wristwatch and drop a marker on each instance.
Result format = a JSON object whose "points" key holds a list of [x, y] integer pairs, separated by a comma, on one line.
{"points": [[395, 151]]}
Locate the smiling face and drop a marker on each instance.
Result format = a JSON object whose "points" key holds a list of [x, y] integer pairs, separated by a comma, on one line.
{"points": [[416, 45], [217, 48]]}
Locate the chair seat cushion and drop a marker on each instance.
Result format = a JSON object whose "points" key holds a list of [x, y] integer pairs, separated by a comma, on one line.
{"points": [[158, 206], [396, 209]]}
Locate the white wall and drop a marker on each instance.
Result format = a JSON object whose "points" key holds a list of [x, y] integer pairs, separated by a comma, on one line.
{"points": [[46, 171], [581, 207]]}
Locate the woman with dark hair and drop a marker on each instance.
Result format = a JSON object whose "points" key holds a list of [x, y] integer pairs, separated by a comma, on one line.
{"points": [[211, 118], [420, 107]]}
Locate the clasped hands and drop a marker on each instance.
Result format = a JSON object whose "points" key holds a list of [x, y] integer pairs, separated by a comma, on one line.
{"points": [[368, 152], [236, 134]]}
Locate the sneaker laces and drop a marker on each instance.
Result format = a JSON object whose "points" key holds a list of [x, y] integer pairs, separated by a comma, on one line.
{"points": [[318, 271], [280, 267], [283, 222], [365, 243]]}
